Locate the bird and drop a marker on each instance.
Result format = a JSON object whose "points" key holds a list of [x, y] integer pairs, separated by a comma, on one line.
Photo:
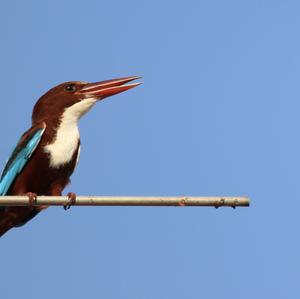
{"points": [[46, 155]]}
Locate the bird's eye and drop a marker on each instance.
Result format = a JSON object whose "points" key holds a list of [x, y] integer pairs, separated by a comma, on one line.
{"points": [[70, 87]]}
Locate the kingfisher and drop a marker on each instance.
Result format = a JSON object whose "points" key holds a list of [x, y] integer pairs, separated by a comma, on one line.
{"points": [[47, 154]]}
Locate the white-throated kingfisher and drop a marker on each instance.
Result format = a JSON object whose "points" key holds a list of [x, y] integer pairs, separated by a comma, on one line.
{"points": [[46, 155]]}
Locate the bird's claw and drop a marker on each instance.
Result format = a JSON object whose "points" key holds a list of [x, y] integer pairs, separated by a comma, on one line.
{"points": [[31, 198], [71, 200]]}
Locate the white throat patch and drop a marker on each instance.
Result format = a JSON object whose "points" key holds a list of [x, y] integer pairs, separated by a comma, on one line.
{"points": [[65, 143]]}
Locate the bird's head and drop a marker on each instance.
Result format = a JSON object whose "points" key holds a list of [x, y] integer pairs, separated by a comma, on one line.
{"points": [[77, 97]]}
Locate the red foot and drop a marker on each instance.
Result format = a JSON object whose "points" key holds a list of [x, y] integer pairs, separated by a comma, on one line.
{"points": [[71, 200], [31, 198]]}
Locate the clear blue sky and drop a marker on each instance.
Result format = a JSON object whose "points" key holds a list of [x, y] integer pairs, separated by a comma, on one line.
{"points": [[218, 114]]}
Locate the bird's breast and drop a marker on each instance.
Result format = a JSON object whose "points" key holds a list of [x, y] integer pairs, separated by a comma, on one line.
{"points": [[64, 145]]}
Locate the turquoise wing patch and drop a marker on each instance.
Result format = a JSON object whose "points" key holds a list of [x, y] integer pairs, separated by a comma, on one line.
{"points": [[19, 159]]}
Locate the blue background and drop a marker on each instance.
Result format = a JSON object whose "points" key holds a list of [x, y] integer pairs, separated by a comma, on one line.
{"points": [[218, 114]]}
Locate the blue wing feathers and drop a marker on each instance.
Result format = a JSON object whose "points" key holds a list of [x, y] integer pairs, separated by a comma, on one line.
{"points": [[19, 159]]}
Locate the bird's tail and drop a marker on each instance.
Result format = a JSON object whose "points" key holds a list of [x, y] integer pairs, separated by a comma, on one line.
{"points": [[15, 216], [6, 222]]}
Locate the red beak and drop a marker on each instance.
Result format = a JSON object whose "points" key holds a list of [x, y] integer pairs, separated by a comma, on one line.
{"points": [[108, 88]]}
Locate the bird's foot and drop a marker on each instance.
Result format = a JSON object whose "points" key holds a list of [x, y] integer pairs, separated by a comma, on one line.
{"points": [[31, 198], [71, 200]]}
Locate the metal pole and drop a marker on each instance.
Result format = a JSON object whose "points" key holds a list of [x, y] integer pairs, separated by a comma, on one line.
{"points": [[211, 201]]}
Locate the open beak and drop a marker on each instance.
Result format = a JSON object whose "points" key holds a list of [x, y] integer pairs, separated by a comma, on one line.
{"points": [[108, 88]]}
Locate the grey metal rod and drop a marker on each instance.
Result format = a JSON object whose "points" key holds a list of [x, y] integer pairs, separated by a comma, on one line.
{"points": [[202, 201]]}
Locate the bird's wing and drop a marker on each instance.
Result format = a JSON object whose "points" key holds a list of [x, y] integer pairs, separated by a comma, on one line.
{"points": [[20, 156]]}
